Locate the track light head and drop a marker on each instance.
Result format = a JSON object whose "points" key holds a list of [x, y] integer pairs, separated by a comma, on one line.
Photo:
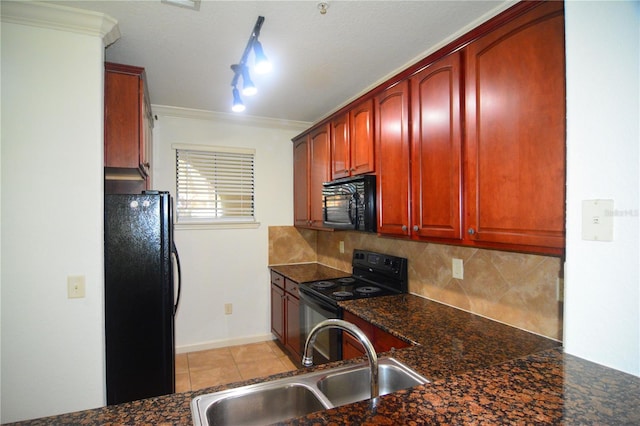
{"points": [[262, 64], [238, 106], [248, 88]]}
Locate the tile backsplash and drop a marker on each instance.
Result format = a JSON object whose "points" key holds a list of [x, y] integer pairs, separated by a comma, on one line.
{"points": [[514, 288]]}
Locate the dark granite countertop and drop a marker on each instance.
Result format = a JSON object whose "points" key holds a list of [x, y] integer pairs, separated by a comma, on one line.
{"points": [[307, 272], [481, 371]]}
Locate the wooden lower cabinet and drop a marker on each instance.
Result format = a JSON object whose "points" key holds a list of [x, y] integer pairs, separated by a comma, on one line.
{"points": [[285, 313], [381, 340], [292, 339]]}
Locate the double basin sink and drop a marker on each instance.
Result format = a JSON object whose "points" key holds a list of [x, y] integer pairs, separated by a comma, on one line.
{"points": [[297, 396]]}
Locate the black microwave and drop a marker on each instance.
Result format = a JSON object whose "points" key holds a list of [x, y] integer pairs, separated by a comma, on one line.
{"points": [[350, 203]]}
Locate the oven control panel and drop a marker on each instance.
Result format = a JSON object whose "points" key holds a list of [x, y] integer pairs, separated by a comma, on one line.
{"points": [[384, 264]]}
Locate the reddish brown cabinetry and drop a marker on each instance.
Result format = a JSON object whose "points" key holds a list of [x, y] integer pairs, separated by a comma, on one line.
{"points": [[311, 168], [470, 142], [128, 127], [301, 181], [515, 132], [381, 340], [352, 147], [392, 166], [285, 313], [436, 150]]}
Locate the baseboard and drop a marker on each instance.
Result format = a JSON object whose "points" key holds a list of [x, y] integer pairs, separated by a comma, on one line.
{"points": [[223, 343]]}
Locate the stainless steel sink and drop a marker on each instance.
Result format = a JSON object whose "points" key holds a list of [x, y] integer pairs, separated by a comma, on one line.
{"points": [[260, 405], [351, 385], [273, 401]]}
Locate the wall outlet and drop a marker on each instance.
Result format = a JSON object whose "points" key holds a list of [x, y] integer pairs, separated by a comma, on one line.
{"points": [[457, 269], [228, 308], [75, 286], [341, 247]]}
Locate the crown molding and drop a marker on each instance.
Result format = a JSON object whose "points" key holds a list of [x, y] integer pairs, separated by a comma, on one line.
{"points": [[170, 111], [63, 18]]}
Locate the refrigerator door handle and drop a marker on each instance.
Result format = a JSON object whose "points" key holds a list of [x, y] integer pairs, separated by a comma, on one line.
{"points": [[174, 251]]}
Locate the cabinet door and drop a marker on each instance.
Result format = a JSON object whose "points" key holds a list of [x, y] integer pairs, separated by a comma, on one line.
{"points": [[385, 342], [293, 336], [122, 120], [351, 347], [515, 139], [436, 152], [319, 168], [277, 312], [300, 182], [361, 144], [340, 152], [392, 166]]}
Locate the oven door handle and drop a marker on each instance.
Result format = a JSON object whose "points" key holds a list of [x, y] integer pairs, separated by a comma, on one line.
{"points": [[311, 300]]}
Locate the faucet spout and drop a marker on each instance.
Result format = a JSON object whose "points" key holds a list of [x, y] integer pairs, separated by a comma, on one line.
{"points": [[307, 358]]}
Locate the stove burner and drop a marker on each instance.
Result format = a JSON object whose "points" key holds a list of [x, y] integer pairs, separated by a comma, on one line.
{"points": [[342, 294], [367, 290], [347, 280], [321, 285]]}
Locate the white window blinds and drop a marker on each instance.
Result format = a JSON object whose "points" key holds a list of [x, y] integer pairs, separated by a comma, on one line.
{"points": [[215, 185]]}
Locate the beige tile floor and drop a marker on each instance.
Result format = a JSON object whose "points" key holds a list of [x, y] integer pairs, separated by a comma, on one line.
{"points": [[202, 369]]}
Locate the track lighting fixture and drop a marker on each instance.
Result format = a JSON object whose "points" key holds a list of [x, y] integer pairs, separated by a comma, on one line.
{"points": [[261, 66], [238, 106]]}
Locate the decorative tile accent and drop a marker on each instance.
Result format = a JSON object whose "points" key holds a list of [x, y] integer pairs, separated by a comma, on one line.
{"points": [[515, 288]]}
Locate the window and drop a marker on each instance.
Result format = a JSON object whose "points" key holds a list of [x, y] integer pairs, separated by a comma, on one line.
{"points": [[214, 185]]}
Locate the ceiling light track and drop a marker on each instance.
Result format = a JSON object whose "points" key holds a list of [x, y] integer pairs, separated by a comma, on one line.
{"points": [[241, 70]]}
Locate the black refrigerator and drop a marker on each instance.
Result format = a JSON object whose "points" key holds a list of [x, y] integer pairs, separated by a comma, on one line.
{"points": [[140, 261]]}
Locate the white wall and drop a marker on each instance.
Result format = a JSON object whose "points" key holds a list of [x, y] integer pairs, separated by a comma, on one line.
{"points": [[602, 314], [227, 265], [52, 115]]}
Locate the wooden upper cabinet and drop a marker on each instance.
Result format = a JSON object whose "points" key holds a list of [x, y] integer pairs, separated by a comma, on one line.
{"points": [[311, 166], [301, 181], [319, 172], [128, 122], [361, 138], [515, 131], [392, 165], [436, 150], [340, 153], [352, 147]]}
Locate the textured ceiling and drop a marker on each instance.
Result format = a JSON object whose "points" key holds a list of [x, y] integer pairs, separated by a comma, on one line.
{"points": [[320, 61]]}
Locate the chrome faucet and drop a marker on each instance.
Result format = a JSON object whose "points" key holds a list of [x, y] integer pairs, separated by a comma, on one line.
{"points": [[307, 358]]}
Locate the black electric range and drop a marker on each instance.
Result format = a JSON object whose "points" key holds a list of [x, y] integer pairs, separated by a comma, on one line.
{"points": [[373, 275]]}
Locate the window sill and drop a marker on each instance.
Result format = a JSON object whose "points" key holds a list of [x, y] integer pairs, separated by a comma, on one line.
{"points": [[225, 225]]}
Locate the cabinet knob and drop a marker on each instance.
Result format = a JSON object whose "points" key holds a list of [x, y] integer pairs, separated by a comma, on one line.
{"points": [[404, 228], [471, 231], [415, 228]]}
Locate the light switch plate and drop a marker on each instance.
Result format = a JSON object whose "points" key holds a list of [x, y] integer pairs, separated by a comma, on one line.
{"points": [[597, 220]]}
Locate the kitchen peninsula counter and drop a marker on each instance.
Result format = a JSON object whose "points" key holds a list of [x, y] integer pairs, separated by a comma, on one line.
{"points": [[481, 372]]}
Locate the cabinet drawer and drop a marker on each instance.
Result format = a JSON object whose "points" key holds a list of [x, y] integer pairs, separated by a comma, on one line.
{"points": [[277, 279], [291, 287]]}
